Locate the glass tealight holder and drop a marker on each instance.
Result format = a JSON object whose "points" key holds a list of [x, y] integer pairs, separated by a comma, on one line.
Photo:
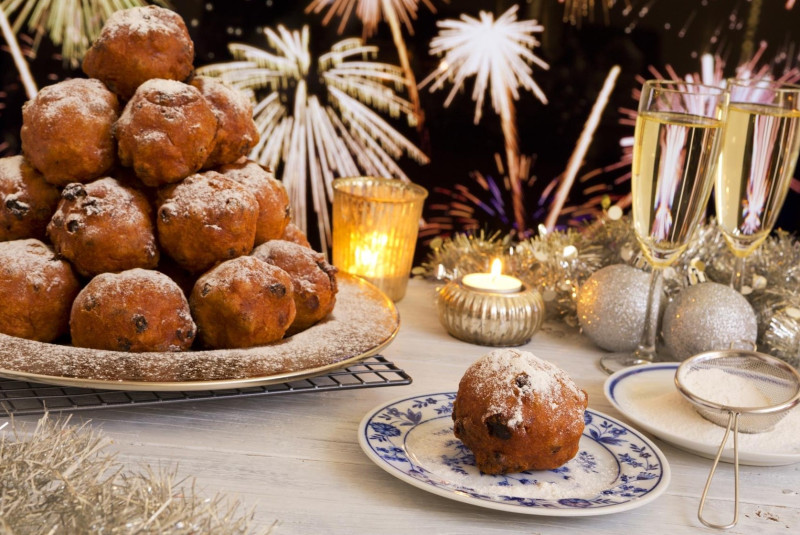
{"points": [[490, 318], [375, 226]]}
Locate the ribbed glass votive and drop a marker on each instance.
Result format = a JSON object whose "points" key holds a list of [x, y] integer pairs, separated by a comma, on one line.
{"points": [[490, 318], [375, 224]]}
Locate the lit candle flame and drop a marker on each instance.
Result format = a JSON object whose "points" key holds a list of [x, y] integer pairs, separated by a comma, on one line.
{"points": [[497, 268], [367, 255]]}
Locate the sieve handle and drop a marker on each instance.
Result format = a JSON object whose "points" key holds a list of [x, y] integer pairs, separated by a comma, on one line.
{"points": [[733, 421]]}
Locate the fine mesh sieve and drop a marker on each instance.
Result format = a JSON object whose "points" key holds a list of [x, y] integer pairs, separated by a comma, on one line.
{"points": [[741, 390]]}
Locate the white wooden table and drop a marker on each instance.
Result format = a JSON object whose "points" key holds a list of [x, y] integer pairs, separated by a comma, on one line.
{"points": [[295, 459]]}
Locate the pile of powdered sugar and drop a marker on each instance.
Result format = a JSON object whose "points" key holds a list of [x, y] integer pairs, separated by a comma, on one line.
{"points": [[723, 387]]}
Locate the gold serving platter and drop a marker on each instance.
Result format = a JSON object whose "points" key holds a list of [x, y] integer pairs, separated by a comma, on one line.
{"points": [[362, 324]]}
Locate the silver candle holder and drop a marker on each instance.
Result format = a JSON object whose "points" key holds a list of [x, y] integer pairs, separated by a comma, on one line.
{"points": [[490, 310]]}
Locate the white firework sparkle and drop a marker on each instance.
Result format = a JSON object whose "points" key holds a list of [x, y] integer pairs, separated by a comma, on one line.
{"points": [[370, 12], [498, 53], [312, 139]]}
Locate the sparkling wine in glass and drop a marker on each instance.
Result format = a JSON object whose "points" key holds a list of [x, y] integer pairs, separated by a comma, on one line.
{"points": [[675, 152], [760, 142]]}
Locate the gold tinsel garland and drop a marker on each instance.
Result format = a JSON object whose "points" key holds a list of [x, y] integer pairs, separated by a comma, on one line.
{"points": [[559, 262], [60, 479]]}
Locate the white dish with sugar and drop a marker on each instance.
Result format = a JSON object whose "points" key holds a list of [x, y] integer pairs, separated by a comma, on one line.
{"points": [[648, 397]]}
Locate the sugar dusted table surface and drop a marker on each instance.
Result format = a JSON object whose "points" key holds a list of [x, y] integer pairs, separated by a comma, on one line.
{"points": [[296, 462]]}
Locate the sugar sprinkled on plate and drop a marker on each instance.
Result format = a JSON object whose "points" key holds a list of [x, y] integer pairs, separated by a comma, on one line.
{"points": [[434, 448]]}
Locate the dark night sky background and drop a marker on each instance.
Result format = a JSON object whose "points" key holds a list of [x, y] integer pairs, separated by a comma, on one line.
{"points": [[579, 58]]}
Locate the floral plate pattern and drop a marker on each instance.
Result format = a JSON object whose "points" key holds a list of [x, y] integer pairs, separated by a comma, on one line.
{"points": [[616, 468]]}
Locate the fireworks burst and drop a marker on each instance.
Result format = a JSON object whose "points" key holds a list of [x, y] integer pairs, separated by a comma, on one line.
{"points": [[310, 141], [371, 12], [585, 139], [498, 53], [16, 52], [467, 209], [577, 10], [482, 204], [71, 24]]}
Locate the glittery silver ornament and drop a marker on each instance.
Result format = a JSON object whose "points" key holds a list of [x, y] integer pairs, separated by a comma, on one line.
{"points": [[612, 304], [778, 316], [705, 317]]}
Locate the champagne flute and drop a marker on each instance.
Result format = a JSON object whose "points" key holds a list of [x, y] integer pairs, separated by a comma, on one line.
{"points": [[760, 142], [675, 152]]}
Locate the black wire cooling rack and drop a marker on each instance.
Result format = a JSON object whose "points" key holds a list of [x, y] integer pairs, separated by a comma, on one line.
{"points": [[21, 398]]}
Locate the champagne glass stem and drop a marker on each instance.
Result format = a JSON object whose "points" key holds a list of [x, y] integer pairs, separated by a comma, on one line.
{"points": [[737, 277], [647, 347]]}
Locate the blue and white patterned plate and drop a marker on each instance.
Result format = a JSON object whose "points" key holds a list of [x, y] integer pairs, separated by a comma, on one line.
{"points": [[616, 468]]}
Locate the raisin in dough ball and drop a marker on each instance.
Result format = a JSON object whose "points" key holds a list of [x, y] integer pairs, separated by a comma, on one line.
{"points": [[27, 201], [36, 291], [313, 278], [274, 213], [518, 412], [243, 302], [104, 226], [138, 44], [236, 130], [206, 219], [294, 234], [67, 131], [165, 132]]}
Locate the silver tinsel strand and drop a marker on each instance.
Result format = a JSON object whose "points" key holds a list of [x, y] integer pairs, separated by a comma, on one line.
{"points": [[558, 262]]}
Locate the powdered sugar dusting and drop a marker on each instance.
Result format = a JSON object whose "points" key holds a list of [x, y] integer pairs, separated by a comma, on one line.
{"points": [[580, 478], [143, 21], [74, 98], [493, 377], [724, 388], [30, 260], [169, 87], [133, 280], [207, 193], [363, 320]]}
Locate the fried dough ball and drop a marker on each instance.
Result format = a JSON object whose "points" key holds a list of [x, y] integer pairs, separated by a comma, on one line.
{"points": [[135, 310], [236, 131], [104, 226], [313, 278], [206, 219], [36, 291], [518, 412], [67, 131], [138, 44], [274, 213], [27, 201], [294, 234], [165, 132], [243, 302]]}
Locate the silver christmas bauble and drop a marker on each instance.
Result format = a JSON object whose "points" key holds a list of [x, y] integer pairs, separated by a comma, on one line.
{"points": [[705, 317], [612, 304]]}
